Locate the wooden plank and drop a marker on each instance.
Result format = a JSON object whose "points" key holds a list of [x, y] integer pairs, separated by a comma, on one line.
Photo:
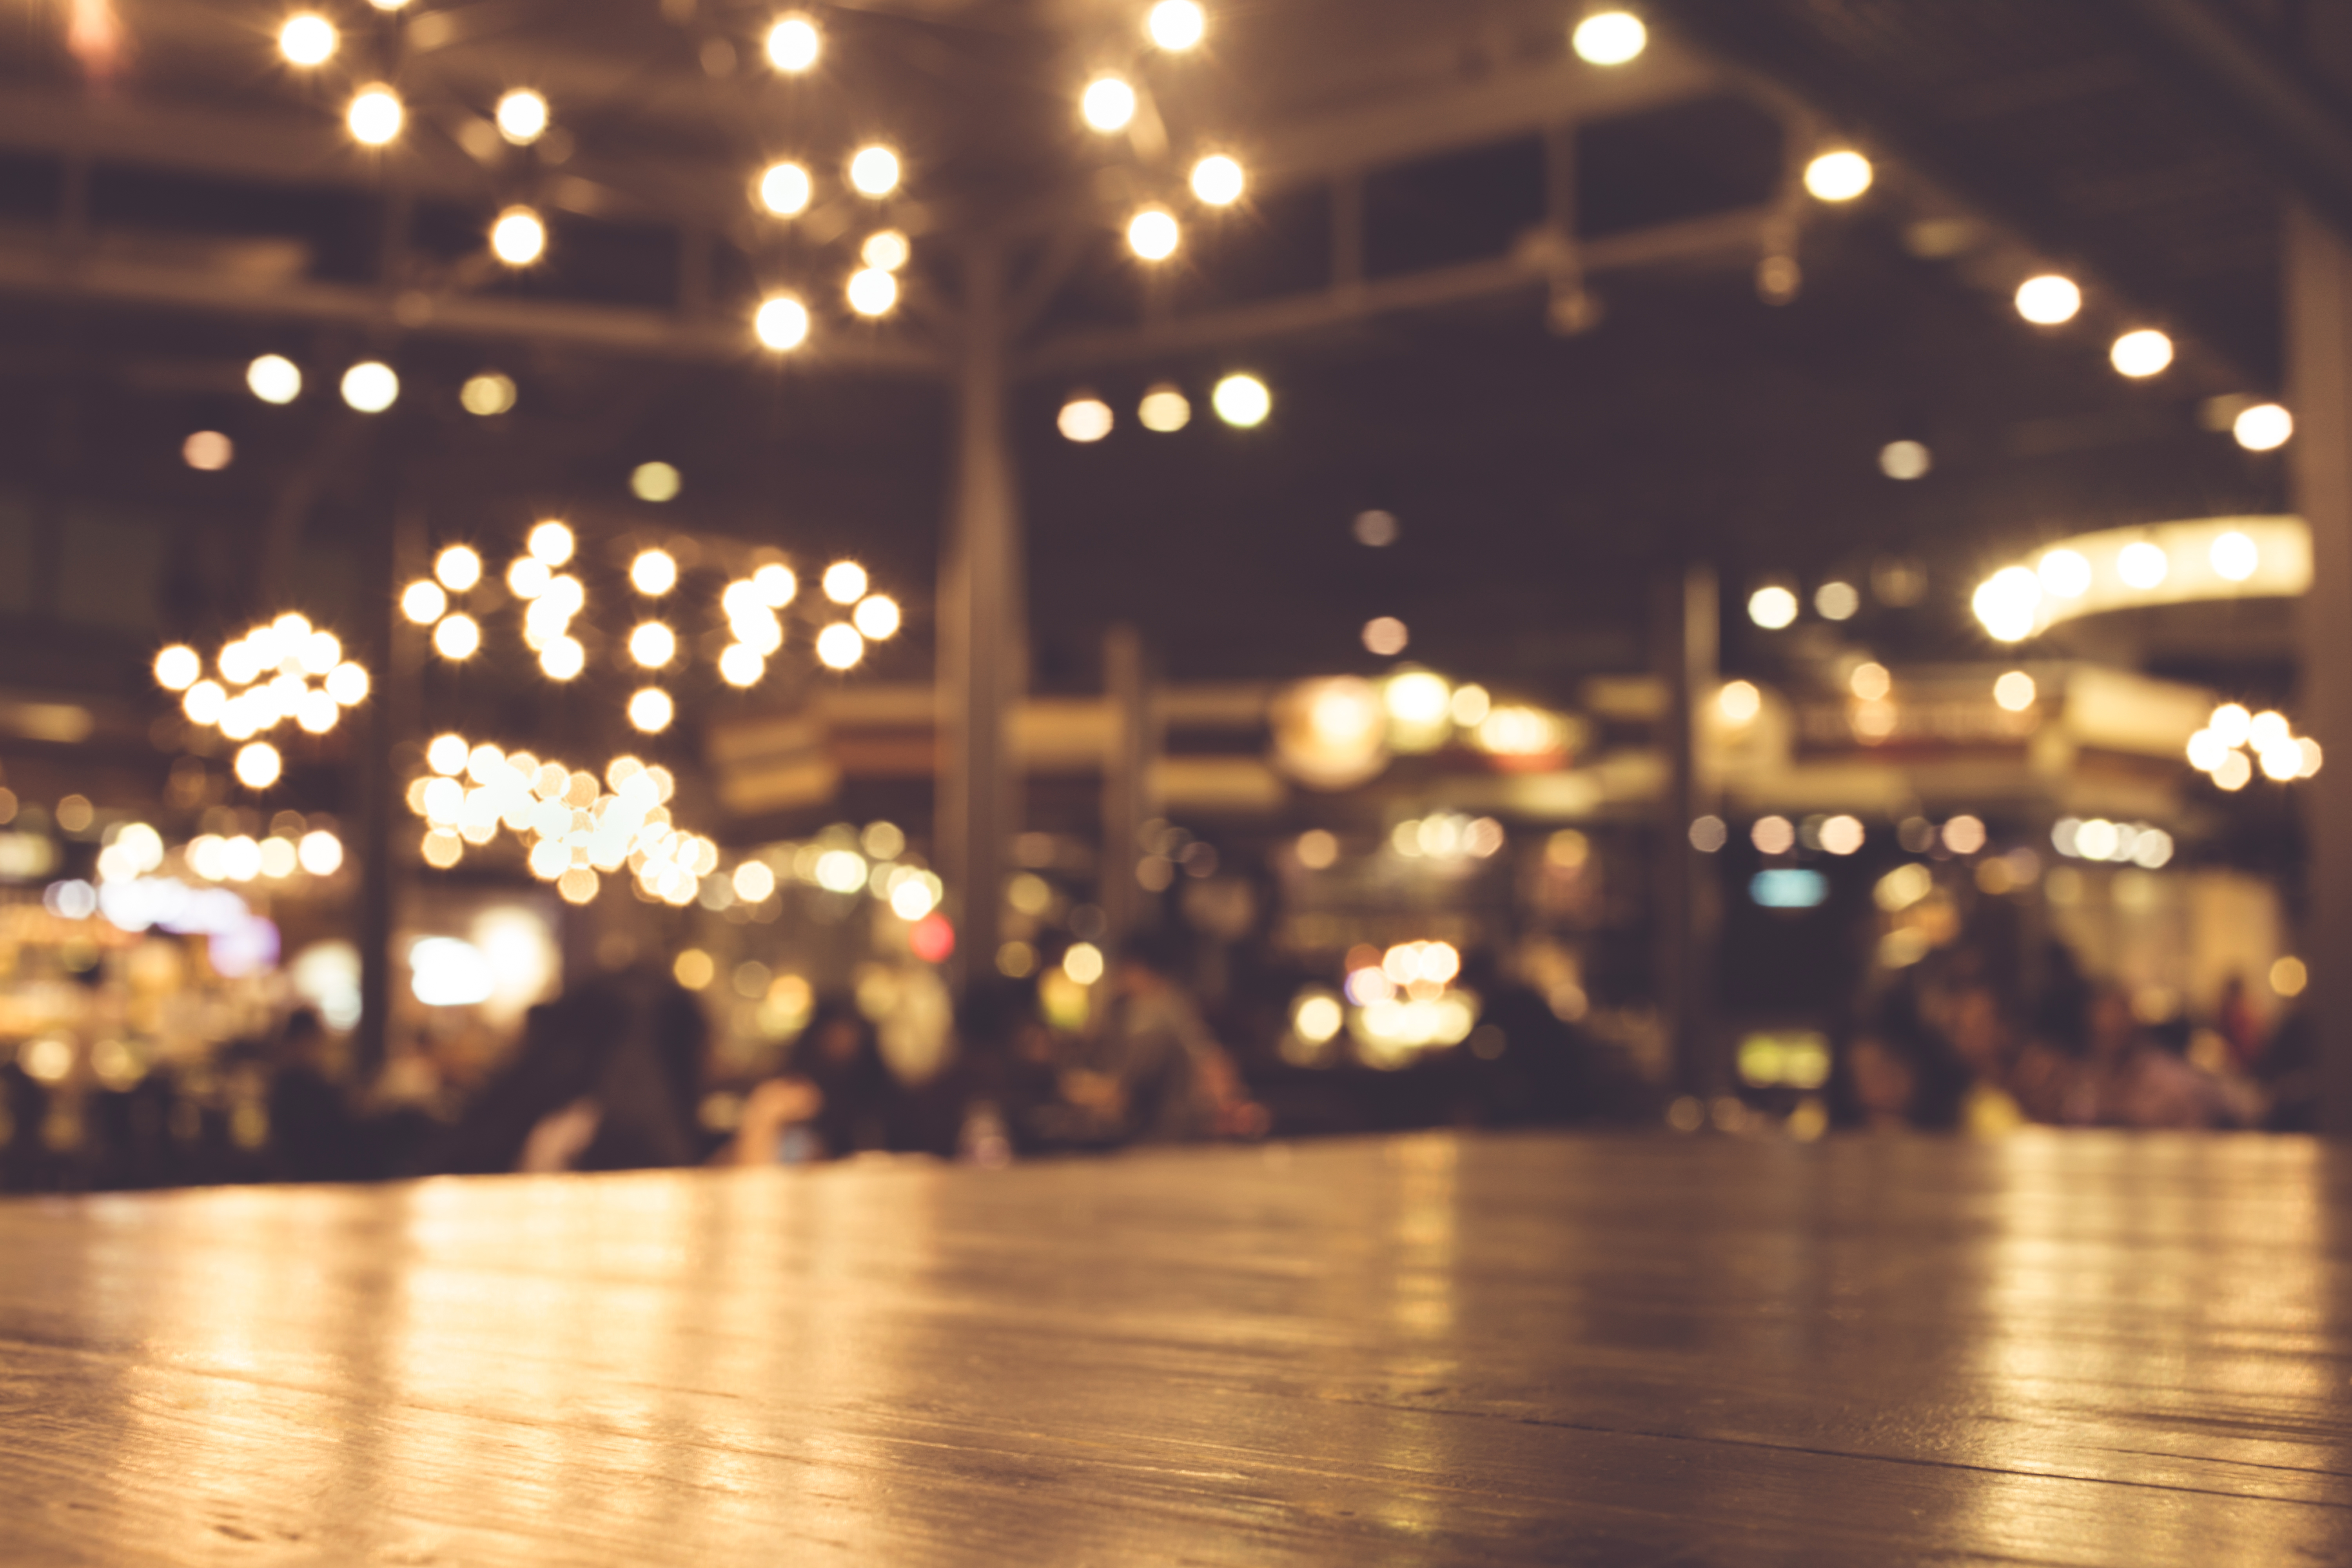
{"points": [[2064, 1349]]}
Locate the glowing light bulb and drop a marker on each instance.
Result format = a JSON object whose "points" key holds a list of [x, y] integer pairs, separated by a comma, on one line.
{"points": [[845, 581], [522, 117], [875, 170], [2049, 300], [258, 765], [775, 584], [2014, 692], [346, 683], [1838, 177], [1165, 409], [1176, 25], [654, 482], [371, 386], [783, 323], [528, 578], [1084, 418], [177, 668], [486, 394], [1242, 401], [741, 667], [518, 237], [1218, 180], [654, 573], [886, 250], [458, 568], [308, 40], [785, 189], [1153, 234], [653, 645], [274, 378], [876, 618], [838, 647], [872, 291], [793, 44], [552, 543], [2065, 573], [207, 451], [376, 116], [2143, 564], [1610, 38], [651, 709], [1108, 103], [2234, 556], [2141, 353], [424, 603], [458, 638], [562, 658], [1772, 607], [2264, 428]]}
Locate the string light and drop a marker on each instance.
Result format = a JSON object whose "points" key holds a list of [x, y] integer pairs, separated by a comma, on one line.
{"points": [[562, 657], [1838, 177], [486, 394], [259, 764], [527, 578], [654, 482], [1108, 103], [1176, 25], [2264, 428], [1084, 418], [1154, 235], [793, 44], [741, 667], [886, 250], [458, 638], [522, 117], [838, 647], [458, 568], [308, 40], [783, 323], [178, 666], [785, 189], [876, 618], [1610, 38], [872, 291], [875, 170], [654, 573], [274, 378], [376, 116], [775, 584], [2142, 353], [207, 451], [1243, 401], [653, 645], [552, 543], [424, 603], [371, 386], [651, 711], [2049, 300], [1165, 409], [518, 237], [845, 581], [1218, 180]]}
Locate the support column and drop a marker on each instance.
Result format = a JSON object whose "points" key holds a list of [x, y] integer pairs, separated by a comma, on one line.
{"points": [[1126, 798], [981, 671], [393, 652], [1685, 614], [2319, 391]]}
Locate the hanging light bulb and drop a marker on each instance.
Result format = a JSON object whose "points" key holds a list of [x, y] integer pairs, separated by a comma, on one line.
{"points": [[785, 189], [1176, 25], [875, 170], [375, 115], [872, 291], [308, 40], [1218, 180], [522, 117], [518, 237], [1108, 103], [793, 44], [1154, 235], [783, 323]]}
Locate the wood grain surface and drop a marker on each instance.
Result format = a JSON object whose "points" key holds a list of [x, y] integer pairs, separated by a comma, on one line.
{"points": [[2062, 1349]]}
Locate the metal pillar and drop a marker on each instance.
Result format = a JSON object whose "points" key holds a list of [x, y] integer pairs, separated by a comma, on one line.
{"points": [[1686, 616], [2319, 387], [981, 620]]}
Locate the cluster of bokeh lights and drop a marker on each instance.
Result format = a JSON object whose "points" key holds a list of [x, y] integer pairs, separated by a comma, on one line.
{"points": [[266, 679]]}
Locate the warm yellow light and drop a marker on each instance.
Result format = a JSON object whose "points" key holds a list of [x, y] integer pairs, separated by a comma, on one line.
{"points": [[177, 668], [2049, 300], [887, 250], [783, 323], [204, 702], [2264, 428], [522, 117], [876, 618], [2231, 723], [424, 603], [845, 581], [2235, 557], [1772, 607], [552, 543], [2014, 692], [322, 853], [457, 637], [346, 683], [741, 667], [1176, 25], [785, 189], [2289, 977], [1083, 962], [872, 291], [518, 237], [1084, 418], [1738, 702], [875, 170], [458, 568], [793, 44], [775, 584], [2143, 564], [486, 394], [1218, 180], [653, 645], [1870, 682], [651, 709], [259, 764], [2008, 604], [1241, 400], [562, 657], [308, 40], [1610, 38], [1165, 409], [838, 647], [2141, 353], [274, 378], [1153, 234], [654, 573], [2065, 573], [1108, 103], [371, 386], [375, 115], [528, 578], [388, 5], [654, 482], [1838, 177], [1386, 637]]}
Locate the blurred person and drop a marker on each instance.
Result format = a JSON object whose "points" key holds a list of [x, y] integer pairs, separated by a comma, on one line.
{"points": [[313, 1135], [2128, 1080], [1155, 1071], [1985, 1045], [835, 1097]]}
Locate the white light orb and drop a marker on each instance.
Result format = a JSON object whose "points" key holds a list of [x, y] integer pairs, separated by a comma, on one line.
{"points": [[2014, 692], [207, 451], [177, 668], [274, 378], [204, 702], [793, 44], [1153, 234], [876, 618], [527, 578], [316, 713], [518, 237], [2268, 730], [1905, 461], [1738, 702], [486, 394], [1176, 25], [2008, 604], [783, 323], [424, 603], [838, 647], [872, 291], [259, 764], [562, 658], [2235, 557], [651, 709], [1844, 835], [457, 637], [1838, 177], [371, 386], [308, 40], [2142, 353], [2049, 300], [348, 684], [741, 667], [1218, 180], [753, 881], [522, 116], [1385, 636], [656, 482], [845, 581], [1610, 38], [875, 170], [1084, 418], [785, 189], [2205, 751], [654, 573], [1837, 601], [552, 543], [775, 584], [2264, 428], [1772, 607], [458, 568], [1108, 103], [2232, 724], [321, 852], [653, 645], [886, 250], [1084, 962], [1241, 400], [1165, 409], [376, 116], [1773, 836], [2065, 573], [2143, 564], [2235, 773]]}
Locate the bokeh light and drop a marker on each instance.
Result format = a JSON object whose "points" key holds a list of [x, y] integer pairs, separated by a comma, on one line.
{"points": [[2049, 300], [207, 451], [1107, 103], [1772, 607], [1084, 418], [376, 116], [1176, 25], [839, 647], [875, 170], [371, 386], [1241, 400], [1165, 409], [2142, 353], [785, 189], [486, 394], [781, 323], [1838, 177], [458, 568], [518, 237], [659, 482], [1218, 180], [522, 116], [274, 378], [308, 39], [793, 44], [651, 709], [1153, 234], [1610, 38], [2264, 428]]}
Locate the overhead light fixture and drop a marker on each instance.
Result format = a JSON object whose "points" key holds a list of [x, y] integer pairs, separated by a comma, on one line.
{"points": [[783, 323], [375, 115], [1108, 103], [793, 44], [308, 39], [518, 237], [875, 170], [1218, 180], [1610, 38], [2049, 300], [1176, 25], [1838, 177], [522, 117]]}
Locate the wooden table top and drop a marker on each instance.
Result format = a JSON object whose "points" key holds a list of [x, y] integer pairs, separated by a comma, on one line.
{"points": [[2056, 1349]]}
